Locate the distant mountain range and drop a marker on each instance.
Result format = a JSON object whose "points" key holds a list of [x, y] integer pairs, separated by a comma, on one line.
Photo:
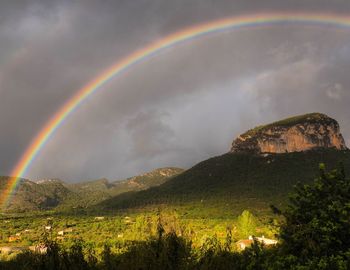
{"points": [[261, 168], [54, 193]]}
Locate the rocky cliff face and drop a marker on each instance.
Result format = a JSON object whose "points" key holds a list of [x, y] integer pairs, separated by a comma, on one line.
{"points": [[295, 134]]}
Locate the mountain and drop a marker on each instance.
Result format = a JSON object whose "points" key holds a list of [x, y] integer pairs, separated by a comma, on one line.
{"points": [[30, 195], [261, 168], [247, 179], [299, 133], [236, 180], [54, 193], [147, 180], [92, 192]]}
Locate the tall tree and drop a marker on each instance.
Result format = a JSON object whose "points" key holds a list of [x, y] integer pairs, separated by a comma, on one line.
{"points": [[246, 224]]}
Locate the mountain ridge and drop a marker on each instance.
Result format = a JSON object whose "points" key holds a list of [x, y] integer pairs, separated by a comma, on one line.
{"points": [[248, 174], [48, 194]]}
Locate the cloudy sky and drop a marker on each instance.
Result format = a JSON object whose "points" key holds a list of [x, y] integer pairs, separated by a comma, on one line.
{"points": [[178, 108]]}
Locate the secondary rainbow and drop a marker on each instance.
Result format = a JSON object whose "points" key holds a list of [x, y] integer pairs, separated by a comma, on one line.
{"points": [[226, 24]]}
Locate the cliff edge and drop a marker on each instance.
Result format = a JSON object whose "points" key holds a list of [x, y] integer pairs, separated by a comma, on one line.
{"points": [[294, 134]]}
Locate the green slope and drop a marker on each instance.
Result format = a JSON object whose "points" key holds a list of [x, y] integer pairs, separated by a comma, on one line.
{"points": [[89, 193], [234, 182], [31, 196], [56, 194]]}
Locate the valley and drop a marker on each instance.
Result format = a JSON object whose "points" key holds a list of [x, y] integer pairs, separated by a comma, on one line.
{"points": [[224, 198]]}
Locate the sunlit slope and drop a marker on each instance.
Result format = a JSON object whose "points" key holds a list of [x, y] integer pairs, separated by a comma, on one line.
{"points": [[31, 196], [89, 193], [235, 181], [56, 194]]}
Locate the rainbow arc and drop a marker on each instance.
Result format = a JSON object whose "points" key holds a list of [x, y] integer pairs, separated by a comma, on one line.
{"points": [[229, 24]]}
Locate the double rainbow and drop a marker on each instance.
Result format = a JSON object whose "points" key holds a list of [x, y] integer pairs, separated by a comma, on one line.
{"points": [[247, 21]]}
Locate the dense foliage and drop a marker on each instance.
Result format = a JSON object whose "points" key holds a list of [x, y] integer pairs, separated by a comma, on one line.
{"points": [[317, 220]]}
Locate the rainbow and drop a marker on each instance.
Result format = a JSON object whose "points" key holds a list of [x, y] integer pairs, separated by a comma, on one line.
{"points": [[226, 24]]}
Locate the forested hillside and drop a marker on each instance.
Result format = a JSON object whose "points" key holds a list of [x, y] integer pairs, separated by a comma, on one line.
{"points": [[235, 181]]}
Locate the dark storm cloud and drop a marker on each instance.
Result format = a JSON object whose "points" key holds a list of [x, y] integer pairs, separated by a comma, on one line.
{"points": [[177, 108]]}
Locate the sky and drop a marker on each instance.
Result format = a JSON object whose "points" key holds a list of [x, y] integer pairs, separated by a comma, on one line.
{"points": [[178, 108]]}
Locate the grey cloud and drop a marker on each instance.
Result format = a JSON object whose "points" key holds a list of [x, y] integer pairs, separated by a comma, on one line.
{"points": [[175, 109], [150, 135], [335, 91]]}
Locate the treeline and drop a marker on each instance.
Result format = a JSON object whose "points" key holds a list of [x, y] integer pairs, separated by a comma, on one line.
{"points": [[315, 234]]}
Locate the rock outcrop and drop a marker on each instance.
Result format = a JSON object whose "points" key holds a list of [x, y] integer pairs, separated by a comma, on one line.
{"points": [[295, 134]]}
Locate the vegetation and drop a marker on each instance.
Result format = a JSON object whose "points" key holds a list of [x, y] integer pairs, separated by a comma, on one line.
{"points": [[223, 186], [218, 188], [58, 195], [317, 218], [31, 196], [121, 228], [314, 234], [93, 192], [246, 221]]}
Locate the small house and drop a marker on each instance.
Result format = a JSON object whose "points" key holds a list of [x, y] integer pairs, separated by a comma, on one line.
{"points": [[40, 248], [244, 243], [5, 250], [10, 250], [14, 238], [266, 241], [128, 220]]}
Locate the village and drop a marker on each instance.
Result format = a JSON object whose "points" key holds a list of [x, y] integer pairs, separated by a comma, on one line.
{"points": [[70, 231]]}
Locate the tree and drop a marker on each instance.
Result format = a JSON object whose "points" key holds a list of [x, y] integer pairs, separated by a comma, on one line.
{"points": [[317, 219], [246, 224]]}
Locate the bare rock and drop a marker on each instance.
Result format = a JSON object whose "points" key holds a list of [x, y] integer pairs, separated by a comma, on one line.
{"points": [[295, 134]]}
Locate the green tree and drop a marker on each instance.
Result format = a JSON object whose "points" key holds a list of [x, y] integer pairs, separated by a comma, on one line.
{"points": [[246, 224], [317, 219]]}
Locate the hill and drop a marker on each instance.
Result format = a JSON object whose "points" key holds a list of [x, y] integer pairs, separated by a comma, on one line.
{"points": [[89, 193], [262, 167], [228, 184], [54, 193], [36, 196], [248, 177]]}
